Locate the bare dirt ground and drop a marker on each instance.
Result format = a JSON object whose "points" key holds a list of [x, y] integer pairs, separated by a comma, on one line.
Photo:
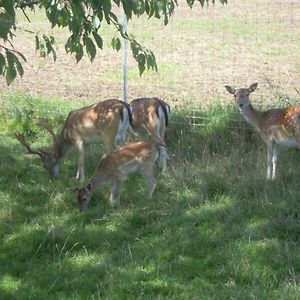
{"points": [[198, 52]]}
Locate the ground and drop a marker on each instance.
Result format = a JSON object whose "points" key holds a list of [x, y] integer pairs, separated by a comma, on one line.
{"points": [[198, 52], [215, 229]]}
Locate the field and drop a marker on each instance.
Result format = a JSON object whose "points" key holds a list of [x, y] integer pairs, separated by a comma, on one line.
{"points": [[197, 53], [215, 229]]}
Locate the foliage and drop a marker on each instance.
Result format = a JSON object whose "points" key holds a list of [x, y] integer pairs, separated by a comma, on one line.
{"points": [[83, 19]]}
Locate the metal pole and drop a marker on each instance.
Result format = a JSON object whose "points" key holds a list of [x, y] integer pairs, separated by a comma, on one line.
{"points": [[125, 61]]}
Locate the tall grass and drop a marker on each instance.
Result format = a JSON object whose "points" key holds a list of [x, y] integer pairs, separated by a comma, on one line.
{"points": [[215, 229]]}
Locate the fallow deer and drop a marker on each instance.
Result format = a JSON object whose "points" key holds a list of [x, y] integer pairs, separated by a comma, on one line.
{"points": [[108, 120], [152, 114], [115, 167], [276, 126]]}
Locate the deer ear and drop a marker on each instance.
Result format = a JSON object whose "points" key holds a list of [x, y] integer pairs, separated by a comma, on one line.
{"points": [[253, 87], [230, 89], [89, 187]]}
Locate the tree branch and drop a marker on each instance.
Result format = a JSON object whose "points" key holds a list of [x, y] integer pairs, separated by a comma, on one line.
{"points": [[26, 16], [27, 3], [14, 51]]}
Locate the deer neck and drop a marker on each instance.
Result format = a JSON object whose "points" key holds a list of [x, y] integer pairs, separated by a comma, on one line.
{"points": [[96, 181], [252, 116], [60, 147]]}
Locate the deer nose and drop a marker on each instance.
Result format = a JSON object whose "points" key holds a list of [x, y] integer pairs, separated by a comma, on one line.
{"points": [[241, 105]]}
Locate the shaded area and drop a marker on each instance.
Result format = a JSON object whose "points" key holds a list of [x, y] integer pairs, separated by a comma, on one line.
{"points": [[214, 228]]}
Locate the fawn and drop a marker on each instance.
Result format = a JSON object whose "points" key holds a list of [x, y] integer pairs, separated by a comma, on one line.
{"points": [[115, 167]]}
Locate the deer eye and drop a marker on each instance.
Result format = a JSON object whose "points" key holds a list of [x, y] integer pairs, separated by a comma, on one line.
{"points": [[83, 199]]}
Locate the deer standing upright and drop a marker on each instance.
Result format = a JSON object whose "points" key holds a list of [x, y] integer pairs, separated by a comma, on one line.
{"points": [[115, 167], [152, 114], [108, 120], [276, 126]]}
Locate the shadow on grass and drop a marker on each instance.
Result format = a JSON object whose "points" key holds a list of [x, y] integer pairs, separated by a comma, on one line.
{"points": [[214, 227]]}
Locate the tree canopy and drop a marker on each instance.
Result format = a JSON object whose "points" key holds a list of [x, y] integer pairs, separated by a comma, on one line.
{"points": [[83, 19]]}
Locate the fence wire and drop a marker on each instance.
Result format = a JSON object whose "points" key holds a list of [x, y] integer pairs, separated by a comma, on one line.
{"points": [[198, 52]]}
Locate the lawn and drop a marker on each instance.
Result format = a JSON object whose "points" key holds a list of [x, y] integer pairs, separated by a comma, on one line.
{"points": [[215, 229]]}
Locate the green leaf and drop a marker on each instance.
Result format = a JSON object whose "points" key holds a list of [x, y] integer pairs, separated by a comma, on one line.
{"points": [[37, 42], [19, 67], [90, 47], [2, 64], [42, 50], [98, 39], [191, 2], [116, 43], [151, 61], [10, 58], [141, 63], [22, 56], [49, 41], [10, 74], [96, 22], [79, 53], [9, 7]]}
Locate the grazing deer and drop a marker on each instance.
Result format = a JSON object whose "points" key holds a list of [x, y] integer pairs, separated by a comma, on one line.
{"points": [[276, 126], [152, 114], [115, 167], [108, 120]]}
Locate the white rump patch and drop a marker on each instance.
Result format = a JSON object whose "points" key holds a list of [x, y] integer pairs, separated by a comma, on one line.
{"points": [[161, 119], [123, 127], [163, 156]]}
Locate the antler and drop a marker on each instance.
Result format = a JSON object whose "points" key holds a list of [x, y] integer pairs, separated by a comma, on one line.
{"points": [[21, 138], [45, 124]]}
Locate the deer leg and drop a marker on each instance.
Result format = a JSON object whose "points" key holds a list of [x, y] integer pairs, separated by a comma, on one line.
{"points": [[274, 161], [162, 130], [297, 140], [154, 132], [114, 199], [80, 171], [150, 180], [271, 161], [109, 143], [162, 126]]}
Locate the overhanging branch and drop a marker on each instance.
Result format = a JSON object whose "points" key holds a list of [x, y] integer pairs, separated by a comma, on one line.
{"points": [[27, 3]]}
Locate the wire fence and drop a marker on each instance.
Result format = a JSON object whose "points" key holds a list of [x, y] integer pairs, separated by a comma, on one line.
{"points": [[198, 52], [190, 118]]}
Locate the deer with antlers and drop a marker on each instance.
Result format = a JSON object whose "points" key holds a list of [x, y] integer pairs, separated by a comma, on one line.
{"points": [[151, 114], [108, 120], [276, 126], [116, 166]]}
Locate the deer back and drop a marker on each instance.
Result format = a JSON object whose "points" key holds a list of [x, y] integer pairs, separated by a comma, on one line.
{"points": [[108, 119], [146, 111], [127, 159]]}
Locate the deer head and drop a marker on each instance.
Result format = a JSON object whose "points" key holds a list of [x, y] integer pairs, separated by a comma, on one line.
{"points": [[242, 95], [49, 161], [84, 196]]}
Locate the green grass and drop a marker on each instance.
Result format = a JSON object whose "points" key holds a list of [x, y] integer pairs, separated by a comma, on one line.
{"points": [[215, 229]]}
